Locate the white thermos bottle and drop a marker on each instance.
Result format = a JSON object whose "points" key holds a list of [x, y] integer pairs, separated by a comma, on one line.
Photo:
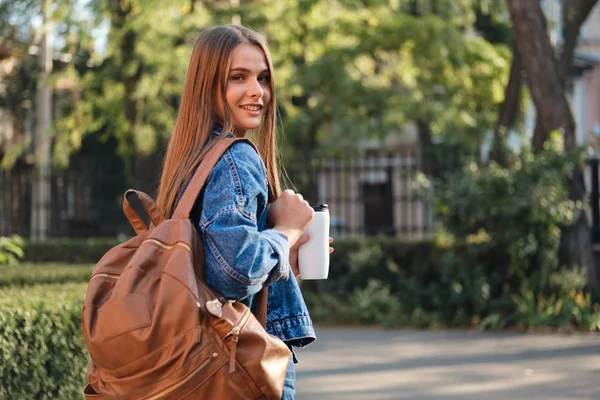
{"points": [[313, 256]]}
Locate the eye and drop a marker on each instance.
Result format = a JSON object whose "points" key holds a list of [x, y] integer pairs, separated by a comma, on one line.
{"points": [[237, 77], [264, 78]]}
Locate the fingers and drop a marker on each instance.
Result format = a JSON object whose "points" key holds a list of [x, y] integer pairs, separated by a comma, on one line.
{"points": [[290, 193], [330, 240], [301, 200], [304, 238], [331, 250]]}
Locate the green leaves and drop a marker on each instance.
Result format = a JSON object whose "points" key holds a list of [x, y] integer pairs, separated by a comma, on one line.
{"points": [[32, 274], [365, 71], [41, 346], [510, 219], [11, 250], [468, 283], [129, 92], [345, 71]]}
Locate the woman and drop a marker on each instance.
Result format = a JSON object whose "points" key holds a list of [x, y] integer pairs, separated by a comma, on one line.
{"points": [[229, 90]]}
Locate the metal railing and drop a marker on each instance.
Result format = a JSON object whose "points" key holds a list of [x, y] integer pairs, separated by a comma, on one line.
{"points": [[371, 195]]}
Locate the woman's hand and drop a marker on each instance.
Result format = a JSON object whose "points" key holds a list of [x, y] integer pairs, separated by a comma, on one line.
{"points": [[294, 252], [290, 214]]}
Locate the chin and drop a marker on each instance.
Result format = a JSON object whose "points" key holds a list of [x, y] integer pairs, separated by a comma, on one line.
{"points": [[248, 126]]}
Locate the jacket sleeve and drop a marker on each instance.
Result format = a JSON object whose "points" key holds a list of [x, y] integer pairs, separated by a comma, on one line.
{"points": [[240, 259]]}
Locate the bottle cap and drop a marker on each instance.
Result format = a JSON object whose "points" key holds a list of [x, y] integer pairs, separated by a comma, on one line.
{"points": [[321, 207]]}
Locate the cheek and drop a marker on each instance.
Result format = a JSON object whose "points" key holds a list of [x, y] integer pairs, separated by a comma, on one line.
{"points": [[233, 95], [267, 95]]}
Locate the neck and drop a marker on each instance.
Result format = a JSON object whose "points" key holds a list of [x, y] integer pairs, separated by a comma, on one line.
{"points": [[239, 132]]}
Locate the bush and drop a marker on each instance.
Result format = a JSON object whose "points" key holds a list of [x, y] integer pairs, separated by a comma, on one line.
{"points": [[31, 274], [565, 305], [42, 350], [69, 250], [383, 281], [512, 237], [435, 283], [11, 250]]}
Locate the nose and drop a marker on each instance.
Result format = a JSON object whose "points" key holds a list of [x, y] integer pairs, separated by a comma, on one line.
{"points": [[255, 89]]}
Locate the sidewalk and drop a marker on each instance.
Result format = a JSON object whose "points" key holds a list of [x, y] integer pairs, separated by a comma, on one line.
{"points": [[368, 364]]}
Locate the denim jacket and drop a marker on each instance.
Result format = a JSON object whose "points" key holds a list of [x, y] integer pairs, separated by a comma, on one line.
{"points": [[241, 255]]}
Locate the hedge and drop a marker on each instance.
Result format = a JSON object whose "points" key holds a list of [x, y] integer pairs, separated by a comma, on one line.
{"points": [[427, 284], [417, 283], [42, 351], [31, 274], [382, 281], [68, 250]]}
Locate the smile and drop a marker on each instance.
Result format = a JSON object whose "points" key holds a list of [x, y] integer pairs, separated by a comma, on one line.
{"points": [[252, 108]]}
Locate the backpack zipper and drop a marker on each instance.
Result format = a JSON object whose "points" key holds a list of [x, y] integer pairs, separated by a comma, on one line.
{"points": [[234, 333], [168, 246], [154, 241], [103, 275]]}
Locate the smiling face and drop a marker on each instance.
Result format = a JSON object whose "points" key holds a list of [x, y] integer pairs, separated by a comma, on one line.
{"points": [[248, 89]]}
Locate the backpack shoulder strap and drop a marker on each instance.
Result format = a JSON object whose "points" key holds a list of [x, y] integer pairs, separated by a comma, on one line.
{"points": [[212, 157], [185, 205]]}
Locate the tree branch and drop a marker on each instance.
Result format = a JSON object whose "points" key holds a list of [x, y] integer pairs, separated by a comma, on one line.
{"points": [[509, 109], [542, 68], [572, 30]]}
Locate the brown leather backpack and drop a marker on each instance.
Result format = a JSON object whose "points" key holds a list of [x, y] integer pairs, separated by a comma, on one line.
{"points": [[155, 330]]}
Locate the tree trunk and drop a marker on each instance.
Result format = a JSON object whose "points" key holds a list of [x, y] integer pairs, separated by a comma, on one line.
{"points": [[429, 162], [554, 113], [43, 147], [509, 110], [575, 241], [137, 163], [539, 136], [574, 14], [542, 68]]}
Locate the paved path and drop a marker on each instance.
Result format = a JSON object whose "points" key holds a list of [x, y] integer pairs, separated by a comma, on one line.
{"points": [[366, 364]]}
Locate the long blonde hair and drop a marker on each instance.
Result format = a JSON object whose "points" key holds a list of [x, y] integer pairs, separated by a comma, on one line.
{"points": [[206, 78]]}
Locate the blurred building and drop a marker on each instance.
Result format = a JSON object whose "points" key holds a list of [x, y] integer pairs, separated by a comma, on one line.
{"points": [[585, 95]]}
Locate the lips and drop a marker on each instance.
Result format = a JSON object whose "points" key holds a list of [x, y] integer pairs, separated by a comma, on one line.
{"points": [[252, 107]]}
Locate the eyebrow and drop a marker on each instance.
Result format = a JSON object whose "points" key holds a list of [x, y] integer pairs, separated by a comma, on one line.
{"points": [[247, 70]]}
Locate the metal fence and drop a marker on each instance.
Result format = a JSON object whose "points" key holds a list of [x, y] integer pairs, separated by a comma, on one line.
{"points": [[367, 196], [82, 203]]}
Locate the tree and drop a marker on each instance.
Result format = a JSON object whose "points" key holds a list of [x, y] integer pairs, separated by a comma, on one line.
{"points": [[509, 110], [21, 37], [131, 91], [16, 20], [350, 71], [548, 94], [574, 13], [346, 71], [354, 70]]}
